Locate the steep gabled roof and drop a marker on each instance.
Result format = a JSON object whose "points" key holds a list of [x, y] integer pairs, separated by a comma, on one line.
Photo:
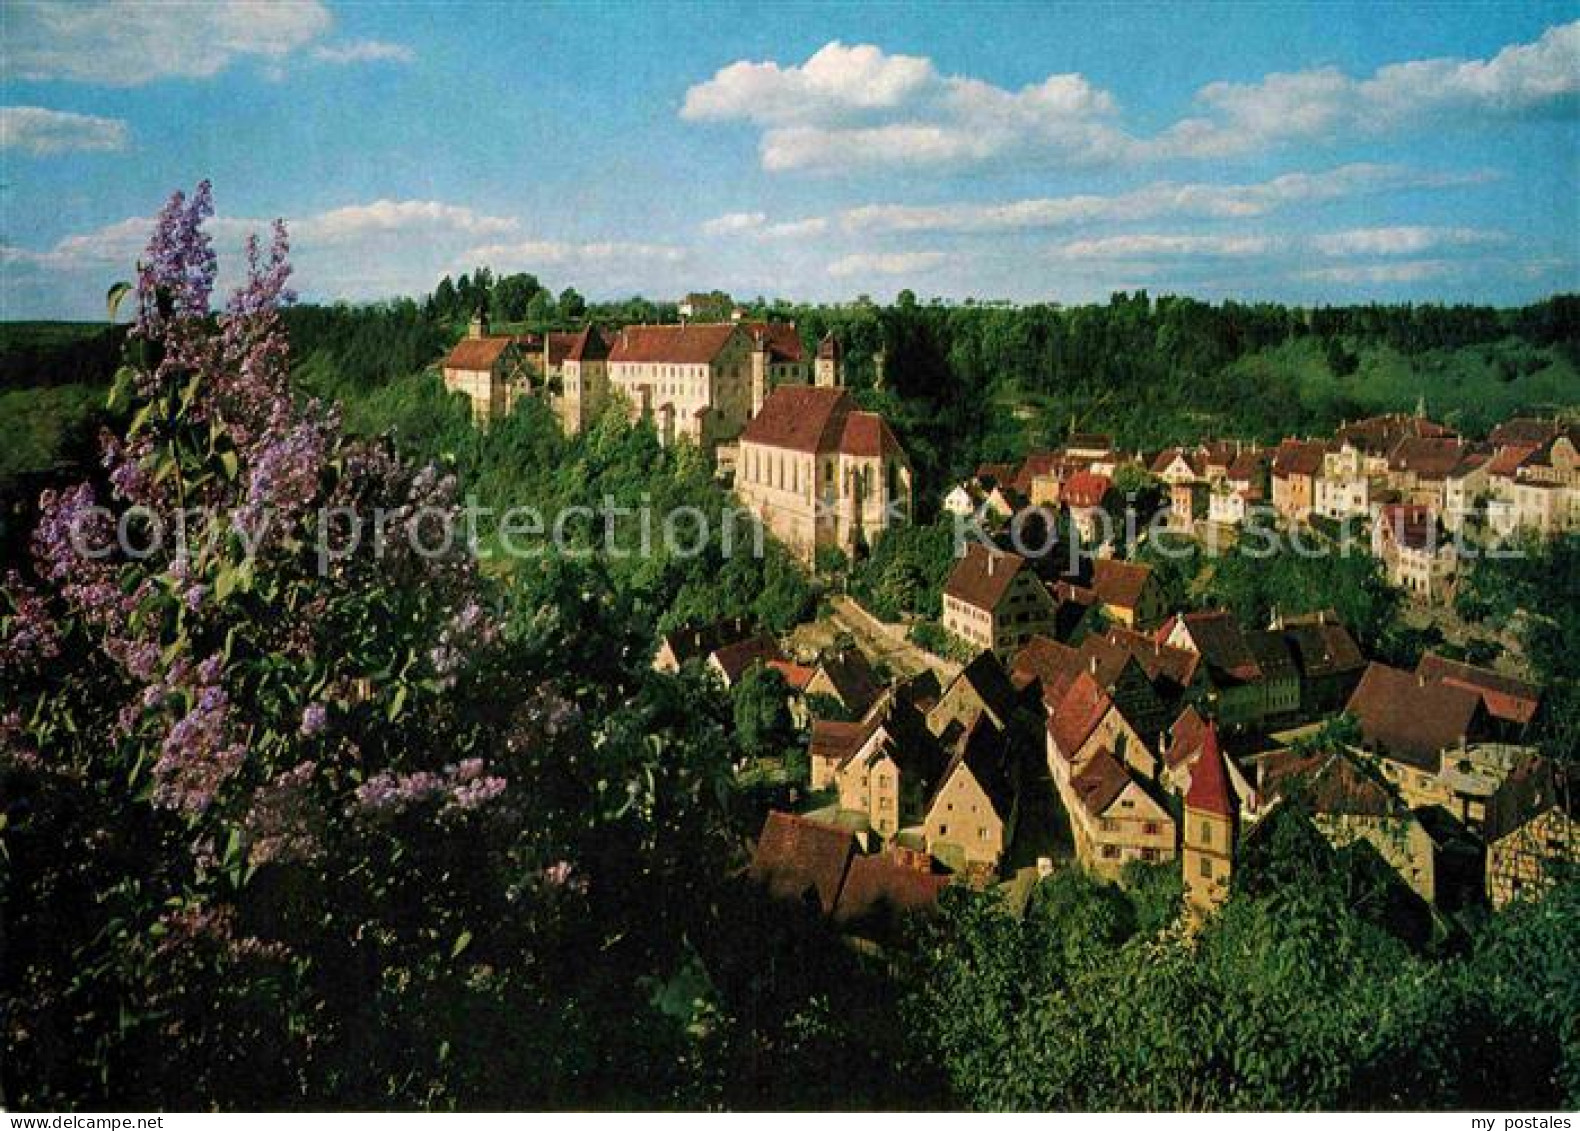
{"points": [[986, 676], [588, 344], [852, 677], [1377, 435], [1535, 786], [1510, 458], [802, 418], [1524, 430], [1323, 648], [781, 338], [1222, 645], [1430, 457], [1100, 782], [880, 887], [795, 856], [1120, 583], [1330, 782], [734, 659], [835, 741], [868, 434], [1411, 718], [1086, 489], [983, 576], [981, 752], [1506, 698], [1158, 661], [477, 354], [1186, 736], [694, 343], [695, 642], [1298, 457], [1043, 660], [1209, 780], [1077, 714]]}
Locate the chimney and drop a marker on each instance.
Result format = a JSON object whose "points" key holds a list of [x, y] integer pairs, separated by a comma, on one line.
{"points": [[991, 558], [1092, 663]]}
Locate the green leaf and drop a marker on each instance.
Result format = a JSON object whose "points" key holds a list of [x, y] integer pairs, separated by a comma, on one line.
{"points": [[462, 941], [113, 297], [229, 462], [397, 702], [121, 390]]}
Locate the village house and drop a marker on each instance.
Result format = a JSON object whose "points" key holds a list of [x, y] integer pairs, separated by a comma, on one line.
{"points": [[993, 600], [891, 772], [971, 815], [1376, 437], [1510, 703], [981, 690], [1419, 468], [1344, 490], [732, 661], [1536, 486], [1235, 687], [1297, 465], [493, 371], [1090, 498], [1532, 829], [806, 863], [583, 379], [1346, 803], [846, 677], [697, 642], [1085, 720], [1417, 555], [1242, 488], [1116, 817], [1329, 660], [1428, 738], [820, 473], [1128, 593]]}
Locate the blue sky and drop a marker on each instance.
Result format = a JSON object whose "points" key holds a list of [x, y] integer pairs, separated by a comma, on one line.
{"points": [[1308, 153]]}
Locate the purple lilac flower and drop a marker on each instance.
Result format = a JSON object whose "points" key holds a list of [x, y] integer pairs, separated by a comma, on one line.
{"points": [[314, 719]]}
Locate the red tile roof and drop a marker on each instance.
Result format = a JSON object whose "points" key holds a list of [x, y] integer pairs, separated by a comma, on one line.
{"points": [[1298, 457], [1209, 780], [796, 676], [795, 857], [477, 354], [781, 338], [1222, 646], [1329, 781], [1186, 737], [1100, 782], [1524, 430], [588, 344], [1075, 717], [1506, 698], [1086, 489], [735, 658], [1377, 435], [1510, 458], [868, 434], [834, 741], [983, 576], [1412, 718], [689, 344], [1428, 457], [1120, 583], [879, 887]]}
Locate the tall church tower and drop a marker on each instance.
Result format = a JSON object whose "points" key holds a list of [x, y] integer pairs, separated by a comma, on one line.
{"points": [[1207, 843], [827, 369]]}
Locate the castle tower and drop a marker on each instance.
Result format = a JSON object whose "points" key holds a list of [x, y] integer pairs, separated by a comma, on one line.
{"points": [[478, 327], [759, 364], [880, 360], [828, 371], [1207, 842]]}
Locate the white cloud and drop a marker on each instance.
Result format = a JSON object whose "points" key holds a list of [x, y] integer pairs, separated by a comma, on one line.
{"points": [[1326, 103], [1162, 199], [1153, 244], [853, 107], [131, 43], [1402, 240], [364, 51], [836, 81], [756, 226], [42, 132], [1414, 271], [886, 263], [535, 253], [404, 217]]}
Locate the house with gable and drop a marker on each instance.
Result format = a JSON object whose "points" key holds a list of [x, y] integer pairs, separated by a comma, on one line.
{"points": [[993, 600]]}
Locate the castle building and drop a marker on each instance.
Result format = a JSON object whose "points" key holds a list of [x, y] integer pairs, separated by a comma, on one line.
{"points": [[584, 380], [821, 473], [492, 370]]}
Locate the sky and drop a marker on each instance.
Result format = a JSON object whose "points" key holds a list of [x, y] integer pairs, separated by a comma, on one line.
{"points": [[1309, 153]]}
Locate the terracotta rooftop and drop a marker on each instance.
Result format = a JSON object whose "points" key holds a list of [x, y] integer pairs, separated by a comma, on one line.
{"points": [[1209, 781], [853, 678], [1428, 457], [1073, 719], [1298, 457], [589, 344], [1377, 435], [1411, 718], [1323, 648], [477, 354], [1524, 430], [1534, 787], [685, 344], [781, 338], [1510, 458], [880, 888], [983, 576], [1100, 782], [1222, 646], [734, 659], [796, 858], [1506, 698], [1086, 489], [1119, 583], [1329, 781]]}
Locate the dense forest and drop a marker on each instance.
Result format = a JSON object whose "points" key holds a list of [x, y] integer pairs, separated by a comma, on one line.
{"points": [[432, 833]]}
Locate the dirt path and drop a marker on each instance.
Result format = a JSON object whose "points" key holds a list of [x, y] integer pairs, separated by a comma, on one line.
{"points": [[887, 643]]}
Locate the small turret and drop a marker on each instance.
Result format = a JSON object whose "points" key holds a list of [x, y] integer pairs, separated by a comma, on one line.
{"points": [[828, 367], [478, 327]]}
